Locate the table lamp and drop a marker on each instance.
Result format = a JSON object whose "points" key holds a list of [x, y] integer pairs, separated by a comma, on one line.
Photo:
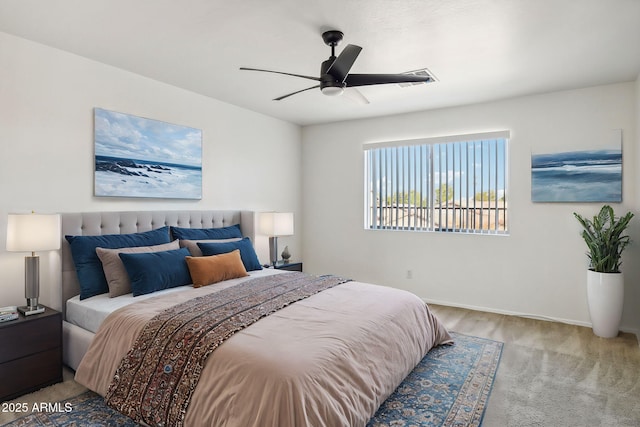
{"points": [[275, 224], [32, 233]]}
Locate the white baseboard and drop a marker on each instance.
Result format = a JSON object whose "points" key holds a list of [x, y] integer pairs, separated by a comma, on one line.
{"points": [[525, 315]]}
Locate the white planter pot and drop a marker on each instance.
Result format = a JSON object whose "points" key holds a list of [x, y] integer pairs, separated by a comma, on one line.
{"points": [[605, 295]]}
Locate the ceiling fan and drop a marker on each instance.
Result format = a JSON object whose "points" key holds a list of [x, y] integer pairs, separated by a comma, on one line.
{"points": [[334, 72]]}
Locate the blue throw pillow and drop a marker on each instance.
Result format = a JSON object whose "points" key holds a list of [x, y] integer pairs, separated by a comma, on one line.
{"points": [[230, 232], [88, 265], [247, 253], [153, 271]]}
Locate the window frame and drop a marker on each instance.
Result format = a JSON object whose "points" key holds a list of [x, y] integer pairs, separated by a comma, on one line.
{"points": [[403, 189]]}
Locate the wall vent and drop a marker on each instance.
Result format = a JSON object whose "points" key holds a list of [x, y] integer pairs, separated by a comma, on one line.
{"points": [[423, 72]]}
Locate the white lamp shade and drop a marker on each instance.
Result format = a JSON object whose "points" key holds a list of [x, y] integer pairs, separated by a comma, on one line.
{"points": [[276, 223], [33, 232]]}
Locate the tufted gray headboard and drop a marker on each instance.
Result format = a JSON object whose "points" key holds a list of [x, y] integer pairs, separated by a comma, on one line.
{"points": [[98, 223]]}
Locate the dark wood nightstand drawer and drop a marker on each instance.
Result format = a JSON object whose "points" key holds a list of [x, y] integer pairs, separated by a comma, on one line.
{"points": [[19, 338], [30, 353], [290, 266], [30, 373]]}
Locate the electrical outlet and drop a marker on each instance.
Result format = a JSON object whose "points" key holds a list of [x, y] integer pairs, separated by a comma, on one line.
{"points": [[409, 274]]}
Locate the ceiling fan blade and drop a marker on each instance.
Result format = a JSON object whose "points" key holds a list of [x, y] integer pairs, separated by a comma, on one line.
{"points": [[293, 93], [343, 63], [356, 96], [380, 79], [280, 72]]}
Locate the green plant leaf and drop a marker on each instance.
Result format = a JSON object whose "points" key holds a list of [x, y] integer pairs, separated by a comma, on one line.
{"points": [[604, 238]]}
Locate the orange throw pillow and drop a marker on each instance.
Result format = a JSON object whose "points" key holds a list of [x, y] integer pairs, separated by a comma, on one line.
{"points": [[216, 268]]}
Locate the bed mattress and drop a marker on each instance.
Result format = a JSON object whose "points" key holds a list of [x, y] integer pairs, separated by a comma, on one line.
{"points": [[89, 313]]}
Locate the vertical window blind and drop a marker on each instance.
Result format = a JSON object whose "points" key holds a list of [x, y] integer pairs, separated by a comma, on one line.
{"points": [[449, 184]]}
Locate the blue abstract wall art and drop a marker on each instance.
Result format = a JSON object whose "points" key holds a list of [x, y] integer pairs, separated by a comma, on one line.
{"points": [[577, 176]]}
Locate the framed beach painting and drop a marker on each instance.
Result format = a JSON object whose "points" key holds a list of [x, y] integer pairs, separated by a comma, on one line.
{"points": [[579, 176], [139, 157]]}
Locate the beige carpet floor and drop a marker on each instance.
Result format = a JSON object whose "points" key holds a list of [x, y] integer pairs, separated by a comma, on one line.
{"points": [[551, 374]]}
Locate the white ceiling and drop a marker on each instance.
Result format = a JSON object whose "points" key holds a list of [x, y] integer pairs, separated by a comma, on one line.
{"points": [[479, 50]]}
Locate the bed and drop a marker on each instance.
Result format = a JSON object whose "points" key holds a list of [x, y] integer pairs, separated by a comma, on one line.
{"points": [[329, 358]]}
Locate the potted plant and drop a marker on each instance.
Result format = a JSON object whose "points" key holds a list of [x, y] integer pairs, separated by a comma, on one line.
{"points": [[605, 240]]}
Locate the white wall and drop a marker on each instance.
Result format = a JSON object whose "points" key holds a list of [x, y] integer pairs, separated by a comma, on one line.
{"points": [[250, 161], [638, 140], [540, 269]]}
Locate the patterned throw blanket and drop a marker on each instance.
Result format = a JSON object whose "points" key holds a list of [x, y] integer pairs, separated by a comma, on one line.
{"points": [[156, 379]]}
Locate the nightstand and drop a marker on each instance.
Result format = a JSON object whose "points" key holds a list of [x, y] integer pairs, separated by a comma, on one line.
{"points": [[290, 266], [30, 353]]}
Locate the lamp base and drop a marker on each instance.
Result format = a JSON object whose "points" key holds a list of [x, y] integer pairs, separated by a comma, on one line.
{"points": [[28, 311], [273, 250]]}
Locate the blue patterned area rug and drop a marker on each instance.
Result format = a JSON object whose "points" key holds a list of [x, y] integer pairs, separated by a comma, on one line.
{"points": [[449, 387]]}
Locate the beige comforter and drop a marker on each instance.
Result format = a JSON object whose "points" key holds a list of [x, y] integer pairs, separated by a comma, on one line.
{"points": [[328, 360]]}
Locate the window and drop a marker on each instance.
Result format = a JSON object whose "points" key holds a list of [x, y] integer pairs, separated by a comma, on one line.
{"points": [[450, 184]]}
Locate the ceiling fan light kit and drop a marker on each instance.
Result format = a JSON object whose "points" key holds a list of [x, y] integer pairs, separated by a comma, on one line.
{"points": [[334, 72], [332, 90]]}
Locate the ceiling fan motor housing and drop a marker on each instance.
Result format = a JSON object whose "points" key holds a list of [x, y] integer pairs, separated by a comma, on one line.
{"points": [[328, 84]]}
